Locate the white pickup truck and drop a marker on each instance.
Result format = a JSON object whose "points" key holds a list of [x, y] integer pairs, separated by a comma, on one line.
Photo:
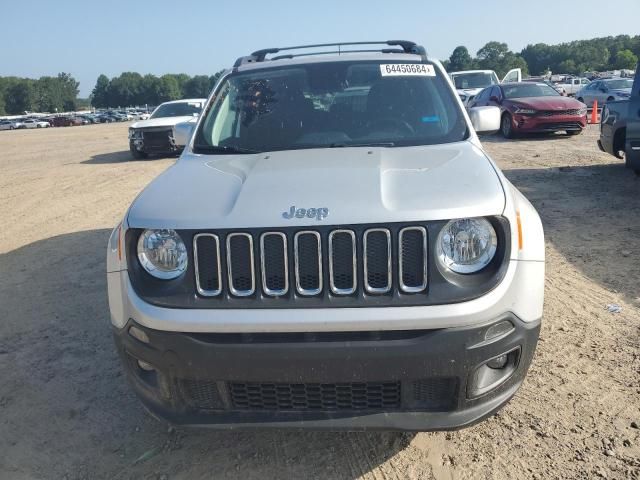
{"points": [[571, 85]]}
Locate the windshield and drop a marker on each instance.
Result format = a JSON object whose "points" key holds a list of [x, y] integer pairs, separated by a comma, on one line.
{"points": [[177, 109], [474, 80], [523, 90], [333, 104], [617, 84]]}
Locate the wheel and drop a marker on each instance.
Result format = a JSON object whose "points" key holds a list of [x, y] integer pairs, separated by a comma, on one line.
{"points": [[38, 126], [135, 153], [11, 127], [506, 127], [610, 99]]}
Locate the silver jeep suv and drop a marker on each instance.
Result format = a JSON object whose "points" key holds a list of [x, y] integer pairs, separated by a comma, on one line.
{"points": [[333, 249]]}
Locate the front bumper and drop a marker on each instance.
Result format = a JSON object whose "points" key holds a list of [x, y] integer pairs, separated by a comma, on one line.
{"points": [[156, 140], [394, 380], [556, 123]]}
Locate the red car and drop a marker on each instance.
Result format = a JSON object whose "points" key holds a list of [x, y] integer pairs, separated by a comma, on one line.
{"points": [[533, 108]]}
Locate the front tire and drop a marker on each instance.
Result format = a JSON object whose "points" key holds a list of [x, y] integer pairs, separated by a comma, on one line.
{"points": [[135, 153], [506, 126]]}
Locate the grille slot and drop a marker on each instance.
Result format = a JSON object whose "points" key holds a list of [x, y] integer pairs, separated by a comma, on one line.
{"points": [[377, 260], [206, 251], [342, 262], [412, 254], [308, 262], [274, 263], [240, 264], [315, 396]]}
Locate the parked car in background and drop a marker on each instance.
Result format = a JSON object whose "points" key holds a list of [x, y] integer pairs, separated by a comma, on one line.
{"points": [[66, 121], [571, 85], [533, 108], [35, 123], [620, 127], [157, 135], [469, 83], [604, 91], [11, 124]]}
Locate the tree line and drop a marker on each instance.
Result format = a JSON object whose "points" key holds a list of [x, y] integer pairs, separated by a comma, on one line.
{"points": [[577, 57], [131, 88], [45, 94], [60, 93]]}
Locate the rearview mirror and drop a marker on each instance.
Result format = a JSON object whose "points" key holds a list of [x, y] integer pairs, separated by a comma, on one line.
{"points": [[485, 120]]}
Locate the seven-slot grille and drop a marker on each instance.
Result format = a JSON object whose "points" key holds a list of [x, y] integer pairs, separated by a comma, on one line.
{"points": [[553, 113], [279, 264]]}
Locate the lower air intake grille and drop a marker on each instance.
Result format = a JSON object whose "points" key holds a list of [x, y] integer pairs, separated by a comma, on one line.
{"points": [[202, 394], [315, 396]]}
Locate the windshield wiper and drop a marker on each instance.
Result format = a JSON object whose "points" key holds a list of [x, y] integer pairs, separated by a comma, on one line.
{"points": [[372, 144], [222, 149]]}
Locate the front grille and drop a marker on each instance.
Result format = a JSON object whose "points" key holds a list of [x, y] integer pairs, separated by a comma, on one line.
{"points": [[340, 263], [315, 396], [554, 113], [156, 138], [428, 394]]}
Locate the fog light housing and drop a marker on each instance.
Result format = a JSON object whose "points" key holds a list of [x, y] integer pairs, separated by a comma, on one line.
{"points": [[493, 373]]}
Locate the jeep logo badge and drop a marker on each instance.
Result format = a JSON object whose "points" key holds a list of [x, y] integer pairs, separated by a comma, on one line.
{"points": [[317, 213]]}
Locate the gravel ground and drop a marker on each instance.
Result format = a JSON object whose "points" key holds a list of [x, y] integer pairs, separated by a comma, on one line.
{"points": [[66, 411]]}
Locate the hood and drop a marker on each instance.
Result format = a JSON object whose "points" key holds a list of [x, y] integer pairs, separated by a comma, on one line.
{"points": [[621, 91], [356, 185], [162, 122], [547, 103], [469, 92]]}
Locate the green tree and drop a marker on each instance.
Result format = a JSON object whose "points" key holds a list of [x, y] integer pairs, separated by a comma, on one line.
{"points": [[100, 93], [196, 87], [19, 97], [460, 59], [625, 59], [169, 89]]}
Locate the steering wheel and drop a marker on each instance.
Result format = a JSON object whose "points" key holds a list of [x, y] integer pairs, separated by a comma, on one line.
{"points": [[395, 124]]}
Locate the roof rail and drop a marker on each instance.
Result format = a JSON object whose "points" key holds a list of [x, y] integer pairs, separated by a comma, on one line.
{"points": [[260, 55]]}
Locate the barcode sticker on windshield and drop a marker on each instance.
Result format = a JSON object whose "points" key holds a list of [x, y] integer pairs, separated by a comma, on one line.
{"points": [[407, 69]]}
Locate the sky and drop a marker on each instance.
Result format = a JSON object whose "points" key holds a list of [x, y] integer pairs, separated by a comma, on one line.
{"points": [[89, 37]]}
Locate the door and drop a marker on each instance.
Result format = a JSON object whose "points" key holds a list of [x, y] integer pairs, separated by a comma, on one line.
{"points": [[632, 147], [589, 94], [514, 75]]}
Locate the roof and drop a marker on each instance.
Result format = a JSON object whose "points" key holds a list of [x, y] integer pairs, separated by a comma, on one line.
{"points": [[331, 52]]}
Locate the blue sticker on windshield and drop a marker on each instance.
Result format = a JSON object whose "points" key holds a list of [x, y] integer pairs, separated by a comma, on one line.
{"points": [[430, 119]]}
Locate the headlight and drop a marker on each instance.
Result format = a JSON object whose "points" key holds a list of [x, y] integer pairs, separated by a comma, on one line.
{"points": [[525, 111], [162, 253], [133, 133], [466, 245]]}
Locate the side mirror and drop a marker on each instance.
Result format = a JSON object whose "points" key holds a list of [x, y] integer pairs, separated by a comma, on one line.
{"points": [[485, 120], [182, 132], [493, 98]]}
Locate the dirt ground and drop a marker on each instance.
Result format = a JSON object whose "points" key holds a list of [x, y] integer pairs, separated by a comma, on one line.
{"points": [[66, 411]]}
